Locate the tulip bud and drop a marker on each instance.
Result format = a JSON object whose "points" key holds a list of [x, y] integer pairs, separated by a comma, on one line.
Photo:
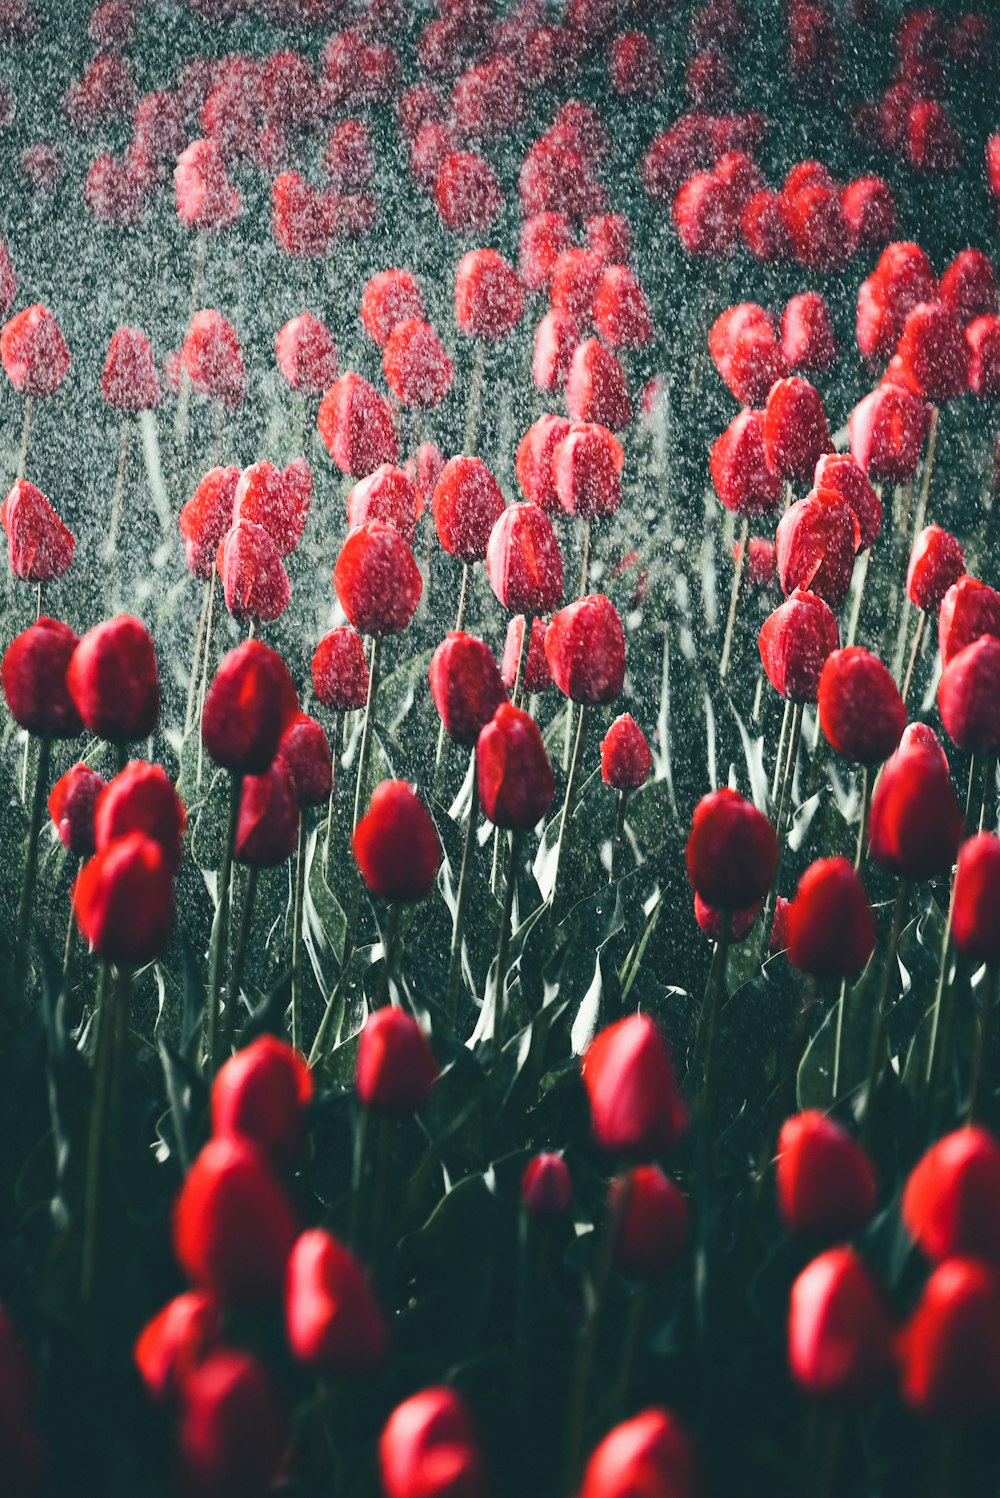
{"points": [[621, 311], [389, 298], [830, 927], [254, 580], [206, 199], [129, 380], [838, 1328], [795, 429], [969, 695], [331, 1317], [278, 501], [260, 1096], [268, 820], [428, 1449], [915, 825], [546, 1186], [113, 680], [948, 1349], [649, 1453], [976, 907], [534, 460], [652, 1218], [33, 352], [596, 390], [171, 1346], [744, 479], [886, 432], [860, 709], [71, 806], [951, 1204], [732, 851], [306, 355], [388, 495], [523, 561], [544, 237], [969, 610], [467, 193], [489, 298], [396, 845], [983, 339], [820, 232], [357, 426], [39, 546], [231, 1434], [825, 1180], [704, 217], [556, 339], [206, 518], [465, 685], [340, 671], [807, 337], [839, 473], [969, 286], [537, 676], [794, 643], [635, 1104], [141, 798], [417, 368], [625, 757], [467, 503], [764, 229], [35, 678], [585, 649], [249, 704], [305, 750], [576, 276], [301, 217], [712, 922], [123, 900], [213, 358], [376, 579], [934, 352], [396, 1068], [586, 471], [516, 784]]}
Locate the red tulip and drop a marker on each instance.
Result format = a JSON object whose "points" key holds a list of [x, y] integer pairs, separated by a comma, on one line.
{"points": [[376, 579], [544, 237], [949, 1350], [278, 501], [206, 199], [340, 671], [123, 900], [969, 695], [388, 495], [466, 505], [838, 1328], [129, 380], [523, 561], [652, 1222], [231, 1435], [305, 750], [465, 685], [424, 468], [830, 929], [516, 784], [983, 339], [546, 1186], [731, 852], [39, 546], [869, 209], [249, 703], [795, 429], [951, 1204], [936, 562], [586, 471], [934, 352], [933, 145], [596, 390], [821, 235], [651, 1453], [576, 276], [260, 1096], [916, 824], [141, 798], [389, 298], [331, 1317], [306, 355], [556, 339], [585, 649], [467, 193], [396, 845], [489, 298], [233, 1228], [807, 337], [814, 546], [357, 426], [745, 350], [71, 806], [825, 1181], [348, 159], [794, 643], [205, 519], [744, 479], [840, 472], [268, 821], [113, 680], [396, 1068], [534, 460], [428, 1449], [537, 676], [8, 280], [764, 228], [301, 217], [886, 432], [621, 311], [704, 217], [740, 173], [254, 581], [860, 709], [635, 1104], [625, 757], [969, 610], [33, 351], [213, 358], [416, 365], [171, 1346], [634, 65]]}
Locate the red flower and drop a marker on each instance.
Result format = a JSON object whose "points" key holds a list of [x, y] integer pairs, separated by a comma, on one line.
{"points": [[306, 354], [465, 685], [33, 351], [348, 159], [949, 1350], [830, 929], [39, 546], [860, 709], [278, 501], [249, 704], [305, 750], [376, 579], [741, 922], [649, 1453], [268, 821], [171, 1346], [934, 352], [839, 1333], [825, 1181], [516, 784], [821, 235], [794, 643], [744, 479], [123, 900], [983, 339], [428, 1449], [546, 1186], [523, 560], [764, 228], [213, 358], [206, 199], [625, 757], [969, 610], [425, 469], [357, 426], [795, 429], [255, 583], [534, 460], [302, 217], [556, 339], [936, 562], [467, 503], [113, 680], [537, 676], [389, 298], [141, 798], [951, 1204], [840, 472], [396, 1067], [129, 380], [869, 209], [467, 193], [886, 433], [621, 311], [704, 216], [653, 1222], [71, 806], [260, 1096], [635, 1104], [731, 852], [576, 276], [814, 546], [387, 495], [206, 517], [340, 671], [596, 390], [331, 1318], [916, 823], [969, 695], [396, 845], [634, 65], [489, 298], [609, 236], [586, 471], [746, 352], [585, 649], [807, 337], [968, 287], [416, 365], [543, 239], [933, 145]]}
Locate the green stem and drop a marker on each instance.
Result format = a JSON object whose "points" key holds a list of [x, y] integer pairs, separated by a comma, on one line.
{"points": [[859, 593], [734, 598], [503, 946], [527, 625], [986, 1005], [103, 1060], [239, 955], [878, 1031], [339, 727], [459, 619], [390, 953], [462, 899], [781, 827], [31, 865], [203, 689], [111, 547], [940, 988], [475, 400], [914, 655], [616, 846], [585, 559], [574, 771], [22, 456], [366, 735], [630, 1344], [196, 663], [220, 926], [297, 917], [708, 1024], [866, 801]]}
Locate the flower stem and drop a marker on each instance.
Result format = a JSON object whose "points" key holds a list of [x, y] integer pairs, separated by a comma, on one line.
{"points": [[199, 640], [31, 864], [111, 547], [297, 915], [574, 771], [239, 954], [914, 654], [878, 1032], [220, 926], [103, 1060], [390, 953], [474, 401], [522, 658], [22, 457], [462, 899], [203, 688], [366, 735], [734, 598], [339, 729], [788, 776], [503, 945], [459, 620], [986, 1005], [866, 801], [616, 846]]}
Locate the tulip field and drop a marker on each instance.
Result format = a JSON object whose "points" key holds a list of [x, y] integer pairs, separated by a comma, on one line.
{"points": [[499, 813]]}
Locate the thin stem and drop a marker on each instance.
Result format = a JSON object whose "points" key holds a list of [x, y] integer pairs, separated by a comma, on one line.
{"points": [[462, 899], [297, 917], [734, 598], [861, 578], [390, 953], [585, 560], [986, 1006], [574, 771], [117, 497], [31, 865], [22, 456], [218, 431], [503, 946], [914, 653], [616, 846], [220, 926], [240, 953], [203, 689], [68, 944], [989, 783], [779, 758], [459, 619], [781, 826], [939, 989], [878, 1031], [339, 727], [708, 1024], [866, 801], [475, 400], [103, 1059], [366, 735], [196, 662], [630, 1344], [527, 625]]}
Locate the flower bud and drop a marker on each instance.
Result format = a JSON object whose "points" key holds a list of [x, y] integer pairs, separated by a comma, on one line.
{"points": [[35, 679], [71, 806], [969, 610], [825, 1181], [33, 352], [635, 1104], [254, 580], [377, 580], [278, 501], [113, 680], [396, 845], [950, 1369], [231, 1435], [546, 1186], [704, 217], [129, 380], [764, 228], [516, 784], [534, 460], [206, 518], [652, 1222], [260, 1096], [465, 685], [576, 276], [934, 352], [544, 237], [807, 337], [388, 495], [396, 1068], [860, 709], [389, 298], [820, 233], [268, 821], [744, 479], [976, 908], [794, 643], [625, 757], [731, 851], [915, 825], [428, 1449], [585, 649], [523, 561], [467, 193], [213, 358], [171, 1346], [621, 311], [651, 1453], [839, 1332], [886, 432], [39, 546], [305, 749], [466, 505], [596, 390], [556, 339], [869, 209], [123, 900], [206, 199], [249, 704], [305, 353], [537, 676], [840, 473], [489, 298], [357, 426], [712, 922], [340, 671], [983, 339], [795, 429], [331, 1317], [830, 928], [141, 798], [416, 365], [951, 1204], [586, 471], [969, 695]]}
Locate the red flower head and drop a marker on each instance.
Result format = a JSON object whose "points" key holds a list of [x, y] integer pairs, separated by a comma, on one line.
{"points": [[348, 159], [983, 339], [951, 1204], [141, 798], [123, 900], [543, 239], [113, 680], [206, 199], [814, 546], [948, 1350], [825, 1181], [428, 1449], [268, 821], [377, 580], [796, 433], [489, 297], [206, 518], [357, 426], [576, 276], [794, 643], [171, 1346], [465, 685], [467, 193], [250, 702], [396, 1067], [609, 235], [537, 676], [625, 757], [34, 353], [255, 583], [934, 352], [556, 339], [830, 929], [305, 750], [621, 311], [516, 784], [8, 280], [869, 209], [466, 505], [417, 368], [302, 217], [969, 286], [746, 352], [278, 501], [976, 919], [260, 1095], [387, 495], [732, 851], [306, 354], [396, 845], [807, 337], [71, 806], [39, 546], [546, 1186], [523, 560], [129, 381], [596, 390], [649, 1453], [585, 649], [916, 823], [936, 562], [839, 1333], [933, 145], [860, 709], [744, 480], [213, 358], [969, 610], [340, 671], [969, 695], [331, 1318], [764, 228], [652, 1222], [741, 922], [34, 678], [821, 235], [886, 433], [233, 1227], [705, 217], [534, 460], [635, 1104], [840, 472], [231, 1435], [389, 298], [586, 468]]}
